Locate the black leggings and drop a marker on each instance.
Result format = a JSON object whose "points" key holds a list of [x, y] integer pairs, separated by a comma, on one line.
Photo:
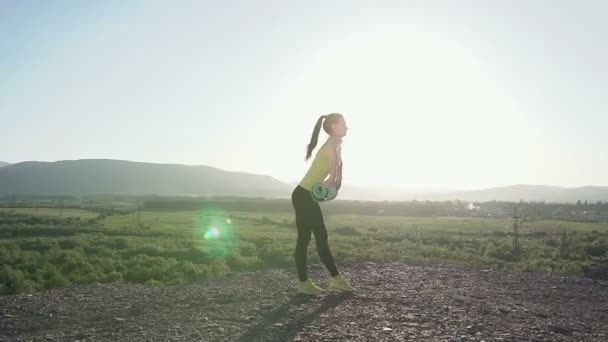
{"points": [[309, 219]]}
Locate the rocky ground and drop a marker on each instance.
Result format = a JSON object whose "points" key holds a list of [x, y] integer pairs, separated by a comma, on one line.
{"points": [[394, 302]]}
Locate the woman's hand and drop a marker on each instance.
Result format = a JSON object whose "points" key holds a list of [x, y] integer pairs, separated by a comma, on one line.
{"points": [[329, 183]]}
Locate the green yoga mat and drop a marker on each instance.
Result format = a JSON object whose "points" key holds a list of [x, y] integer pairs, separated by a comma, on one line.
{"points": [[321, 194]]}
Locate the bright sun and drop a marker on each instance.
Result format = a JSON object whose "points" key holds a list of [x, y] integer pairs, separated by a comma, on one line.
{"points": [[415, 102]]}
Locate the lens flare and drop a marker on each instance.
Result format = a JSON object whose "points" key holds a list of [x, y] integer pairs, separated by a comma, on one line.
{"points": [[213, 231]]}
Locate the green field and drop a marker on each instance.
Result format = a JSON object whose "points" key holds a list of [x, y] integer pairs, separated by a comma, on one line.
{"points": [[52, 212], [40, 249]]}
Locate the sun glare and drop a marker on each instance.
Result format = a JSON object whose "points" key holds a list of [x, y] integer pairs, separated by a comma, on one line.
{"points": [[424, 99]]}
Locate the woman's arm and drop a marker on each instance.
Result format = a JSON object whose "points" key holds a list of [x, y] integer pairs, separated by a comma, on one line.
{"points": [[339, 177], [333, 168]]}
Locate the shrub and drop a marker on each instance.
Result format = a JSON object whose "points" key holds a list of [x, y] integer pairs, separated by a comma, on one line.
{"points": [[347, 231], [14, 281], [273, 256], [597, 249], [247, 249]]}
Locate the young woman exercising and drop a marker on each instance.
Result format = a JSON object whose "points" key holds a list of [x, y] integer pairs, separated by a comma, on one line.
{"points": [[309, 218]]}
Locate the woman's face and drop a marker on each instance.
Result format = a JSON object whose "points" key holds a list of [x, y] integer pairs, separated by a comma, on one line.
{"points": [[339, 128]]}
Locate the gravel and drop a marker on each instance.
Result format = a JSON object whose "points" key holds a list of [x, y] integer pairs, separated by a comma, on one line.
{"points": [[394, 302]]}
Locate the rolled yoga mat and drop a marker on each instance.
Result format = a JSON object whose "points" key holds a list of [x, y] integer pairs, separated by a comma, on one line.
{"points": [[321, 194]]}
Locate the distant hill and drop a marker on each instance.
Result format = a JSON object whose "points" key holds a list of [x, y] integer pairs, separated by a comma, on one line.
{"points": [[107, 176], [515, 193], [4, 163]]}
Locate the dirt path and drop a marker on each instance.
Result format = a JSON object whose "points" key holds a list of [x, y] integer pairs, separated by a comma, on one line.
{"points": [[395, 302]]}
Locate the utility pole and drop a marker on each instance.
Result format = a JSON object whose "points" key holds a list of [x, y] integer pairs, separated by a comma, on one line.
{"points": [[516, 248], [138, 213]]}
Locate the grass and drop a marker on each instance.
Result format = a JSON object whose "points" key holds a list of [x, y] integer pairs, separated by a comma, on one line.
{"points": [[169, 247], [55, 212]]}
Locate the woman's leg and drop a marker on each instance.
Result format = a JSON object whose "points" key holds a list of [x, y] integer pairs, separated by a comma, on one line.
{"points": [[301, 249], [321, 240], [298, 199]]}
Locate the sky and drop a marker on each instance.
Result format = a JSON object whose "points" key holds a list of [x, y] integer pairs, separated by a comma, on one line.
{"points": [[436, 94]]}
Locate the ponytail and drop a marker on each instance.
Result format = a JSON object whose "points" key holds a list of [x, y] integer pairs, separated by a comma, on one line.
{"points": [[315, 137]]}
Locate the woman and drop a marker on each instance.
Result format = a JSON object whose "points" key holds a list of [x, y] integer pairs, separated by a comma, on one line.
{"points": [[309, 218]]}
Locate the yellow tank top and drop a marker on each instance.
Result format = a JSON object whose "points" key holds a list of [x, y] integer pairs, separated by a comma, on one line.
{"points": [[319, 169]]}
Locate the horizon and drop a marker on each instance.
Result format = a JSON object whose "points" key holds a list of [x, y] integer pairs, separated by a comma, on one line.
{"points": [[362, 186], [436, 95]]}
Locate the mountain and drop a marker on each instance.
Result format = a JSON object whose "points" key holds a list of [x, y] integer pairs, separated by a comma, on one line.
{"points": [[2, 163], [107, 176], [515, 193]]}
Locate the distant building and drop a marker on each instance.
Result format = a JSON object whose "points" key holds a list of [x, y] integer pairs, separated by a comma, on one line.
{"points": [[472, 206]]}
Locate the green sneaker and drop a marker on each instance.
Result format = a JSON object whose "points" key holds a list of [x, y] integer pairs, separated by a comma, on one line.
{"points": [[339, 283], [308, 287]]}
